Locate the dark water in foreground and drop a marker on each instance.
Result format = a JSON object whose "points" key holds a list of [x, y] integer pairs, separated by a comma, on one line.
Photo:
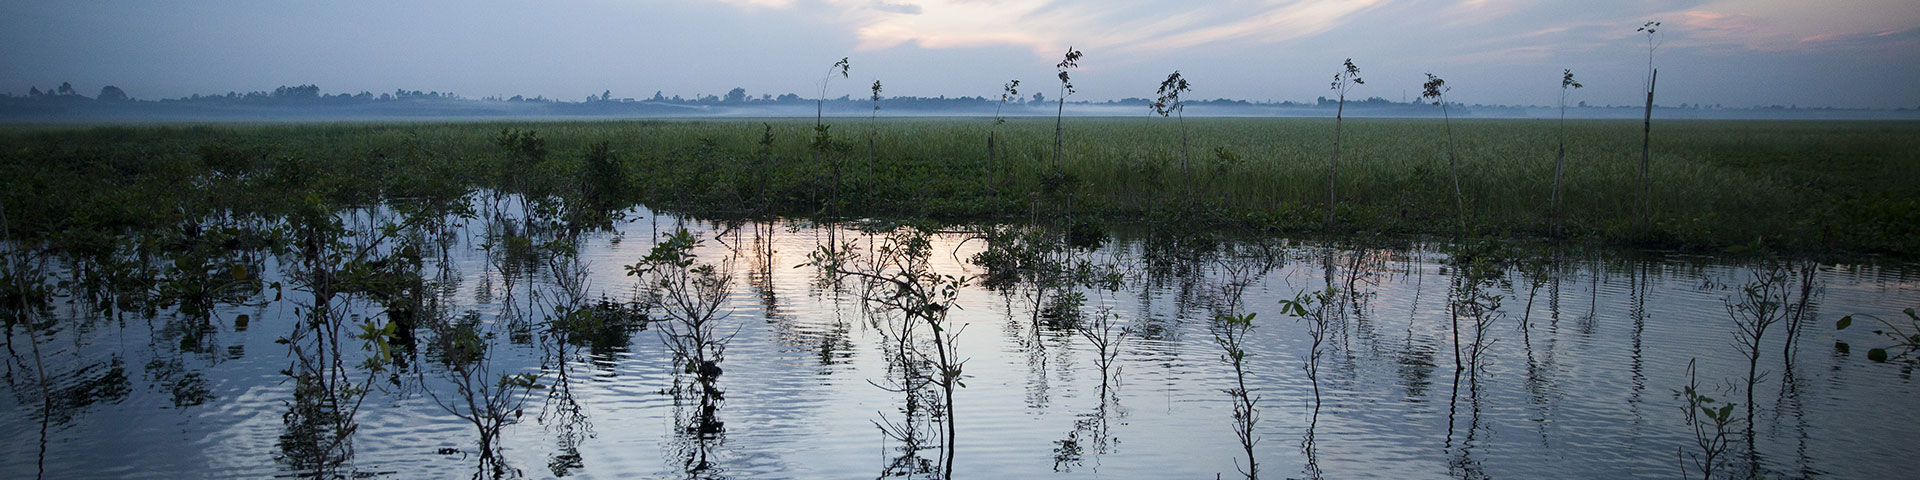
{"points": [[1577, 381]]}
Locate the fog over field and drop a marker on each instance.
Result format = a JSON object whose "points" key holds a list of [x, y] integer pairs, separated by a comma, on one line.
{"points": [[1733, 54]]}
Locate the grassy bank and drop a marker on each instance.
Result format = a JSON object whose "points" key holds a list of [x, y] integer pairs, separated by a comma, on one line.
{"points": [[1799, 187]]}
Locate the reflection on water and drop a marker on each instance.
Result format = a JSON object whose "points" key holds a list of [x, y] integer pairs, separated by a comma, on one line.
{"points": [[386, 342]]}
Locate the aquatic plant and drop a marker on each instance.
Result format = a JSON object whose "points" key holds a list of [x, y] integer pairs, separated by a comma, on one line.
{"points": [[1712, 424], [1905, 338], [486, 401], [1230, 333], [1312, 308], [907, 284], [1106, 339], [1762, 303], [691, 297]]}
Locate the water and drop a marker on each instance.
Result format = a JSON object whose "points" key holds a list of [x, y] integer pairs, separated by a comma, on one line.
{"points": [[1585, 389]]}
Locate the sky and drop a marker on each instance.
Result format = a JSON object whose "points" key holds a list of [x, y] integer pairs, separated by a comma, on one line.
{"points": [[1837, 53]]}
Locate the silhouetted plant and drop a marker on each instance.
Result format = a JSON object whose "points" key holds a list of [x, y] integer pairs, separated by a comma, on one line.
{"points": [[1312, 307], [1169, 102], [1008, 91], [906, 283], [1567, 83], [1646, 141], [487, 402], [1343, 81], [1761, 304], [1906, 339], [873, 126], [819, 106], [1106, 340], [823, 142], [691, 296], [1230, 332], [1712, 428], [1436, 89], [1070, 60]]}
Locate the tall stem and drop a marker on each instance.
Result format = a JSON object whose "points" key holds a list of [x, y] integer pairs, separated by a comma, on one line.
{"points": [[1337, 113], [1458, 200], [1646, 144], [1559, 164], [1059, 113]]}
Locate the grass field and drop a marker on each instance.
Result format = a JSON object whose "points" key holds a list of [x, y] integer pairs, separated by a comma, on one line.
{"points": [[1794, 187]]}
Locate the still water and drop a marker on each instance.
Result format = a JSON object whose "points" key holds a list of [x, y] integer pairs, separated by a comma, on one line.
{"points": [[1577, 375]]}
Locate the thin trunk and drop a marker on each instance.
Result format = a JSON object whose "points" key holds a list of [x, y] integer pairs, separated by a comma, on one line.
{"points": [[1454, 166], [1646, 144], [991, 153], [1057, 115], [1559, 166], [1338, 112], [1185, 174]]}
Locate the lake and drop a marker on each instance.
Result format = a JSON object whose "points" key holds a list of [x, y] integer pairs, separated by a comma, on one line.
{"points": [[1579, 362]]}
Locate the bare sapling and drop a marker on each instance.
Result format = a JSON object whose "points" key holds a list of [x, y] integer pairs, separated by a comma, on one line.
{"points": [[1567, 84], [1436, 89], [1646, 139], [1009, 91], [1344, 80], [1106, 339], [1071, 60], [1170, 103], [1761, 304]]}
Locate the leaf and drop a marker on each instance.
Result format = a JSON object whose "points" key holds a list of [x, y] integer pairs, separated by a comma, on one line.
{"points": [[1843, 348], [1878, 355], [1846, 321]]}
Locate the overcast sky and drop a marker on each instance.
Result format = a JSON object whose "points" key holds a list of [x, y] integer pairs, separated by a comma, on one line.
{"points": [[1844, 53]]}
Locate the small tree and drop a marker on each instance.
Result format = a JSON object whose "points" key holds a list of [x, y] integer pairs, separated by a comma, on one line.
{"points": [[1567, 84], [873, 127], [1646, 140], [823, 141], [1343, 80], [819, 107], [1071, 60], [112, 93], [1436, 89], [1169, 102], [1230, 332]]}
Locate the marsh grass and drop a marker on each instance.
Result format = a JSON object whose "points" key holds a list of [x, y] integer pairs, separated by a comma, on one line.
{"points": [[1802, 186]]}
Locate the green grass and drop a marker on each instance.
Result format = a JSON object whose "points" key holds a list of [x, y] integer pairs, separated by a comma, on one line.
{"points": [[1798, 187]]}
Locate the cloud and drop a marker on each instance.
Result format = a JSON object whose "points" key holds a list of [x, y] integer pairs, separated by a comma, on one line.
{"points": [[1111, 26], [901, 8]]}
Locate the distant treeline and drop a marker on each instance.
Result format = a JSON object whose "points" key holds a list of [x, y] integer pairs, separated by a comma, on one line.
{"points": [[306, 102]]}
